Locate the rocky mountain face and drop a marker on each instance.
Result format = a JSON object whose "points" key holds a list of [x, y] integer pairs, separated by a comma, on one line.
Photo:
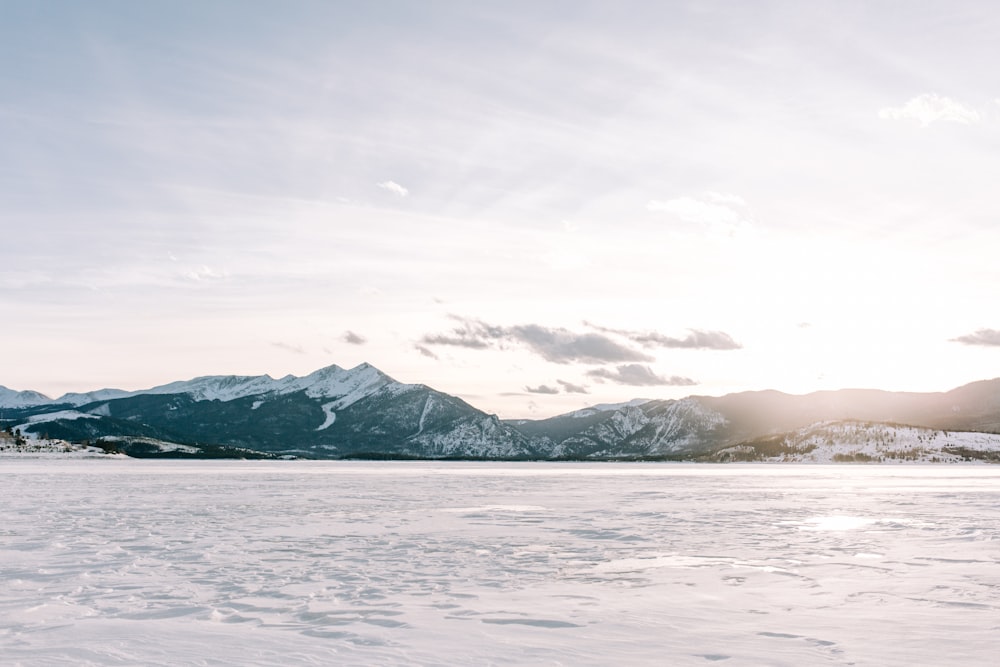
{"points": [[652, 429], [332, 413], [337, 413]]}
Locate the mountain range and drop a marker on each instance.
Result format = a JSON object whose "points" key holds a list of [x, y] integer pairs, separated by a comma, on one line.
{"points": [[362, 412]]}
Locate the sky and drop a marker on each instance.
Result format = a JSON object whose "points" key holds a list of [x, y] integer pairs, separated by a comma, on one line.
{"points": [[535, 206]]}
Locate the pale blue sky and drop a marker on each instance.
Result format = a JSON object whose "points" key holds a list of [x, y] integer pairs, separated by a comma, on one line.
{"points": [[507, 201]]}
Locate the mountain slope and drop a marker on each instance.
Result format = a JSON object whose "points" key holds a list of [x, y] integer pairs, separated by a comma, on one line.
{"points": [[853, 441], [701, 424], [336, 413], [330, 413]]}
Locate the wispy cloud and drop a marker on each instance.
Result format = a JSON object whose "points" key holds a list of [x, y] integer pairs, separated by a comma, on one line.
{"points": [[393, 187], [557, 345], [425, 351], [638, 375], [711, 209], [930, 108], [571, 388], [697, 339], [984, 337], [205, 274], [542, 389], [288, 347], [354, 339]]}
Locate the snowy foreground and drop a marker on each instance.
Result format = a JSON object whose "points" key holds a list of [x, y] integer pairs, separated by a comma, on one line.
{"points": [[124, 562]]}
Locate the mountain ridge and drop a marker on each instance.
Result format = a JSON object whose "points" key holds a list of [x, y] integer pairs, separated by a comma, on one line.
{"points": [[336, 413]]}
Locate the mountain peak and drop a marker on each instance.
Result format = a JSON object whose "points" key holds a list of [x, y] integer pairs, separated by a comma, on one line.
{"points": [[77, 398], [606, 407], [346, 385], [12, 398]]}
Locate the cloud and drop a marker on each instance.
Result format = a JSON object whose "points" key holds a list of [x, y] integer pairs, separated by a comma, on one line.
{"points": [[697, 339], [288, 347], [929, 108], [571, 388], [541, 389], [725, 198], [985, 337], [711, 209], [425, 351], [638, 376], [354, 339], [572, 227], [563, 346], [460, 340], [206, 274], [557, 345], [394, 188]]}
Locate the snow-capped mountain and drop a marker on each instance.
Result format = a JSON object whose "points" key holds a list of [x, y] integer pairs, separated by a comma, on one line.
{"points": [[76, 399], [330, 413], [635, 429], [336, 413], [606, 407], [700, 425], [21, 399], [332, 381]]}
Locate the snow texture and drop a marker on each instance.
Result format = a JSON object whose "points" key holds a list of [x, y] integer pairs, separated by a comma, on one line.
{"points": [[119, 562]]}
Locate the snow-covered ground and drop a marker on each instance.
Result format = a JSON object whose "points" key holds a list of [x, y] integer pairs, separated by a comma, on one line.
{"points": [[868, 442], [33, 446], [123, 562]]}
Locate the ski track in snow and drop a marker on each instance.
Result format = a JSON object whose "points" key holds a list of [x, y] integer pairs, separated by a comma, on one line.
{"points": [[359, 563]]}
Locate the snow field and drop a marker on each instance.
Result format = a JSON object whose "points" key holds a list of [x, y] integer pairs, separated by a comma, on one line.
{"points": [[304, 563]]}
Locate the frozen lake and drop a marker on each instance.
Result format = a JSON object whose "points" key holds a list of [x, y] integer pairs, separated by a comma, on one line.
{"points": [[302, 563]]}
